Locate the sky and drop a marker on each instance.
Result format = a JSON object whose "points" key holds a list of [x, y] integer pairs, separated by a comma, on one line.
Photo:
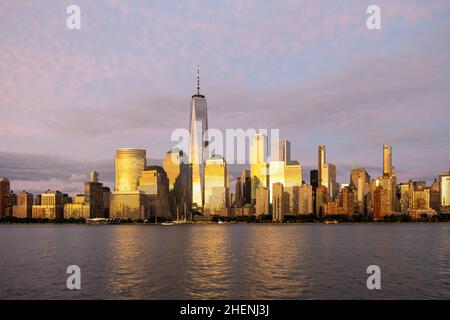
{"points": [[311, 69]]}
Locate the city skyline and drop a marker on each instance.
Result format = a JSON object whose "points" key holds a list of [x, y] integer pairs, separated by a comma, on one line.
{"points": [[91, 101]]}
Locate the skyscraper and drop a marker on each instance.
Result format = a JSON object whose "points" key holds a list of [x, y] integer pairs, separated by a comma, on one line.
{"points": [[216, 186], [238, 198], [387, 160], [282, 151], [444, 188], [321, 162], [4, 197], [280, 201], [246, 186], [23, 209], [177, 169], [305, 199], [258, 165], [329, 180], [93, 196], [154, 185], [126, 200], [130, 162], [327, 174], [198, 145], [262, 206]]}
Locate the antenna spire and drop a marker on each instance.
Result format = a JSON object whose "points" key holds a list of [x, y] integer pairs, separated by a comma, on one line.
{"points": [[198, 79]]}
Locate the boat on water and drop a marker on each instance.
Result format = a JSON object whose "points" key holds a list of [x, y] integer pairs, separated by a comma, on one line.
{"points": [[99, 221], [222, 222], [167, 224], [331, 222], [184, 220]]}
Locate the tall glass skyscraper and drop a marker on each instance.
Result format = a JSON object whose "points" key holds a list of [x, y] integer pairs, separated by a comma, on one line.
{"points": [[198, 146], [387, 160]]}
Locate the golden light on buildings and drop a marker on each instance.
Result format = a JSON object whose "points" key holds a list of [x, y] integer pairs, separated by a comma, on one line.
{"points": [[387, 160], [258, 165], [216, 185], [130, 162]]}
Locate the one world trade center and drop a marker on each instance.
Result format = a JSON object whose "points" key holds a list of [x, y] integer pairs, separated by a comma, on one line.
{"points": [[198, 146]]}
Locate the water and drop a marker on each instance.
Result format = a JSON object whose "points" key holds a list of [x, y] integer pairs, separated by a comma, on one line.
{"points": [[245, 261]]}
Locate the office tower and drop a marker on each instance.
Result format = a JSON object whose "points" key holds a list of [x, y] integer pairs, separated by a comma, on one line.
{"points": [[246, 186], [154, 185], [176, 166], [130, 162], [280, 202], [281, 151], [387, 160], [305, 199], [421, 197], [321, 162], [258, 165], [93, 196], [357, 174], [321, 200], [12, 201], [360, 183], [314, 178], [293, 172], [293, 178], [327, 174], [329, 180], [314, 182], [262, 206], [127, 205], [238, 200], [434, 196], [198, 145], [23, 209], [216, 186], [384, 202], [283, 170], [277, 173], [126, 200], [51, 207], [106, 201], [444, 187], [405, 196], [5, 192], [347, 201], [78, 209]]}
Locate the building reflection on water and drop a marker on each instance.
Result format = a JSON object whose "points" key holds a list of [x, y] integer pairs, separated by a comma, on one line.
{"points": [[208, 273]]}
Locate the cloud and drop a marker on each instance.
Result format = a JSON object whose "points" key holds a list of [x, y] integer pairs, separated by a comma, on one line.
{"points": [[310, 68]]}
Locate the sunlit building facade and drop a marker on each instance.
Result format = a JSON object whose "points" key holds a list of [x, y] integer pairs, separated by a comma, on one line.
{"points": [[262, 205], [198, 146], [259, 168], [329, 180], [176, 166], [216, 186], [24, 207], [93, 196], [51, 206], [280, 202], [130, 162], [444, 187], [321, 160], [5, 203], [305, 199], [387, 160], [154, 185]]}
